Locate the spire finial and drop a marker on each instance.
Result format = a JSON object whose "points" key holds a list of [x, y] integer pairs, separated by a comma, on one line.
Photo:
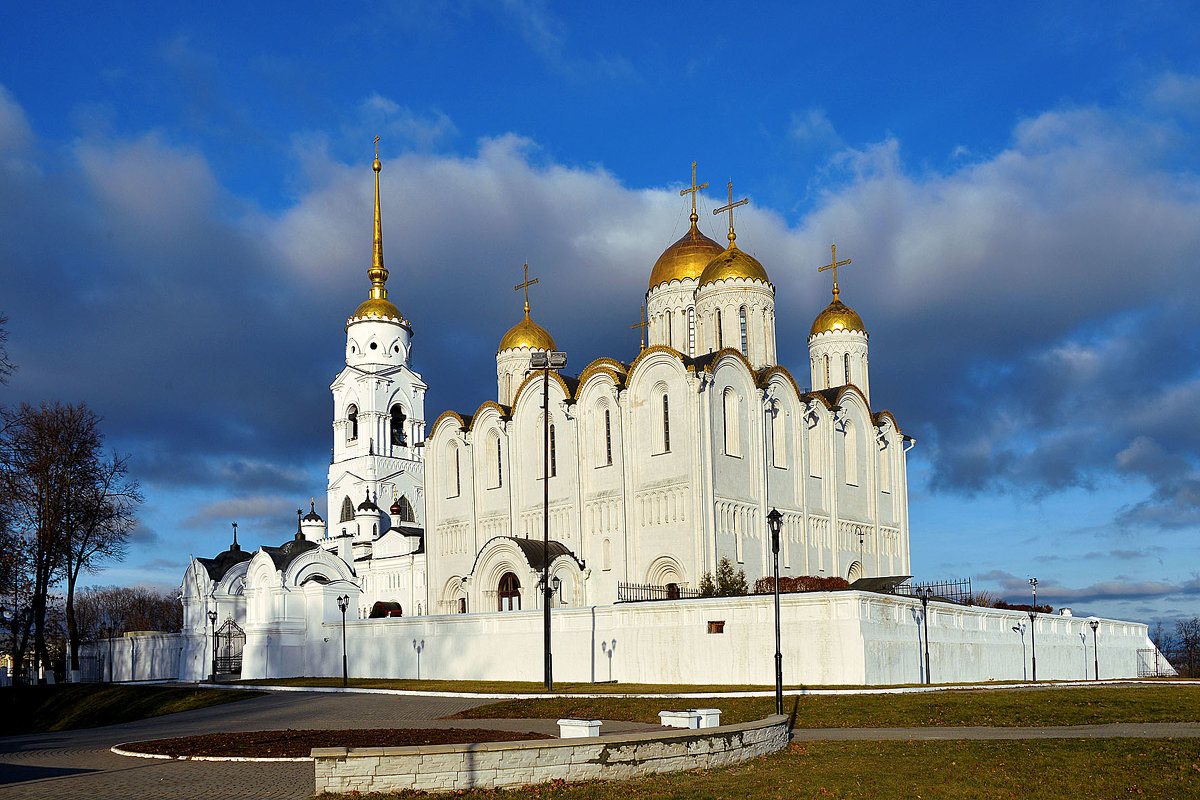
{"points": [[526, 286], [692, 191], [234, 546], [732, 205], [378, 272], [833, 265]]}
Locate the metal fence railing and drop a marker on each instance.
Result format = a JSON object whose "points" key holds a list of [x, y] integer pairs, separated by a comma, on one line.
{"points": [[634, 592], [954, 591]]}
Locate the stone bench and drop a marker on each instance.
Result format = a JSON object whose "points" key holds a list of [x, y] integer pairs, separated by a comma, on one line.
{"points": [[691, 718], [578, 728]]}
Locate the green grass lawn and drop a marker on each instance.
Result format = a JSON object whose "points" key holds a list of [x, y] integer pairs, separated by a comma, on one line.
{"points": [[1165, 769], [35, 709], [1009, 707]]}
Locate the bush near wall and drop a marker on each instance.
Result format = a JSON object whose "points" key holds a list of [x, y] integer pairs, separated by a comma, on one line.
{"points": [[802, 583]]}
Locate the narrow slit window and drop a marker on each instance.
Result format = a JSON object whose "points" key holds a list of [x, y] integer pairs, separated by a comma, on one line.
{"points": [[846, 361], [607, 437], [691, 323], [553, 460], [666, 437], [720, 333], [742, 324]]}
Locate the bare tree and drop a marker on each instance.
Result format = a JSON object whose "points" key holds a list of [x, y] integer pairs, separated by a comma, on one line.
{"points": [[7, 367], [102, 611], [52, 467], [1187, 638], [99, 520]]}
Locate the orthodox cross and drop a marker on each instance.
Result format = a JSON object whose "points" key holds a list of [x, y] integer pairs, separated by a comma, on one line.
{"points": [[694, 189], [526, 286], [833, 265], [235, 535], [376, 148], [732, 205], [642, 325]]}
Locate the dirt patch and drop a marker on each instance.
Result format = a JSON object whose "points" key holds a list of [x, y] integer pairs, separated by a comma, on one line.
{"points": [[294, 744]]}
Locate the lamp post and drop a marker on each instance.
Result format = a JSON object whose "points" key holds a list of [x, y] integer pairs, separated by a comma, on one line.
{"points": [[862, 566], [775, 521], [343, 604], [924, 593], [212, 620], [1032, 632], [1095, 623], [546, 361], [1019, 629]]}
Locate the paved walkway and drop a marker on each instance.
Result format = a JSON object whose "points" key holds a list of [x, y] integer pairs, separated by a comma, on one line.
{"points": [[77, 765]]}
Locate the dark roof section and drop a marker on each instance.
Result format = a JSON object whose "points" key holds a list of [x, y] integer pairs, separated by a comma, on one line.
{"points": [[312, 515], [223, 562], [368, 504], [533, 550], [288, 552], [884, 585]]}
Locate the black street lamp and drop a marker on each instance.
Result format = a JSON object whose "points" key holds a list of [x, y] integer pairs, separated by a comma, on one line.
{"points": [[546, 361], [1033, 582], [212, 619], [775, 521], [924, 593], [1095, 623], [343, 604]]}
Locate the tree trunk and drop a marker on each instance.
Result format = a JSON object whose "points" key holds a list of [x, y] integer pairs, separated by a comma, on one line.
{"points": [[72, 629]]}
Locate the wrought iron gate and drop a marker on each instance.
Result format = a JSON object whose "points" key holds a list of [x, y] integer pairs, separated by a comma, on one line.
{"points": [[230, 641]]}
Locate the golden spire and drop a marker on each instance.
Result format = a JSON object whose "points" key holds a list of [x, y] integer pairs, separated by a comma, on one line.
{"points": [[643, 323], [833, 265], [732, 205], [692, 191], [377, 273], [526, 286]]}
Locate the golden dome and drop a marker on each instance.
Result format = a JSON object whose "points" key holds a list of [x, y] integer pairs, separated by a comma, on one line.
{"points": [[837, 316], [378, 307], [686, 258], [527, 333], [733, 263]]}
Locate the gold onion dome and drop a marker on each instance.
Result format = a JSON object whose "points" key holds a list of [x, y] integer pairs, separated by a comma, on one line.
{"points": [[377, 304], [837, 316], [686, 258], [527, 333], [733, 263]]}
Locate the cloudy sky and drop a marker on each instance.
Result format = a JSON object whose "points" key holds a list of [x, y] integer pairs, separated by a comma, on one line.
{"points": [[185, 224]]}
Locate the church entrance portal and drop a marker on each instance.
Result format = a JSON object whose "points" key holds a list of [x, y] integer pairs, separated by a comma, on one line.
{"points": [[231, 639], [509, 594]]}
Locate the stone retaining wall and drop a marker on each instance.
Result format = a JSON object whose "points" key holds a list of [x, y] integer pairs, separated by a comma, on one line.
{"points": [[492, 764]]}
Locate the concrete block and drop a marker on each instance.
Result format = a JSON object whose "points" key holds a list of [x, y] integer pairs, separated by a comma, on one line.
{"points": [[709, 717], [578, 728], [679, 719]]}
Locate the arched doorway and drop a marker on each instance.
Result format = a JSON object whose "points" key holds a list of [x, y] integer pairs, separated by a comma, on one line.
{"points": [[509, 594]]}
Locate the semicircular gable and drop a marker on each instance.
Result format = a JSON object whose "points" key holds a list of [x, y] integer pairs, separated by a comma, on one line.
{"points": [[499, 555], [461, 424], [779, 373], [490, 409], [261, 572], [884, 417], [729, 352], [233, 581], [609, 366], [652, 350], [314, 562], [536, 375]]}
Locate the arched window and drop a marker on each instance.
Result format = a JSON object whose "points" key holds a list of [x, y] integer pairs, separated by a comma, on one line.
{"points": [[779, 438], [851, 441], [607, 553], [397, 427], [732, 429], [691, 331], [406, 510], [742, 323], [885, 469], [846, 362], [666, 424], [553, 454], [495, 468], [720, 333], [509, 593], [352, 423], [816, 452], [607, 437], [826, 386], [453, 480], [668, 338], [347, 514]]}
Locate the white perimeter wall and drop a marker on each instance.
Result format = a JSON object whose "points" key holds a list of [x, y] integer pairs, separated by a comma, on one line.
{"points": [[828, 638]]}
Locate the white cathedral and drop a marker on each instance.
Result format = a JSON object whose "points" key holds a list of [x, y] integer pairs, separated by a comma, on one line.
{"points": [[658, 468]]}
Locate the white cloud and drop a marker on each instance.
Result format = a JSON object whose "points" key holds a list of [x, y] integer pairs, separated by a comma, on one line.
{"points": [[813, 128]]}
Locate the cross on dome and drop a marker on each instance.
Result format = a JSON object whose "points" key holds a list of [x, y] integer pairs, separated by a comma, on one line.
{"points": [[643, 323], [732, 205], [693, 190], [833, 265], [526, 286]]}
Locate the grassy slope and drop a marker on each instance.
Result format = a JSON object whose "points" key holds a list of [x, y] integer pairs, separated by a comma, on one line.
{"points": [[1047, 769], [1012, 707], [34, 709]]}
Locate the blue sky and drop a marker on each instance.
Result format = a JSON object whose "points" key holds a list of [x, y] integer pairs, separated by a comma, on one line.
{"points": [[185, 225]]}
